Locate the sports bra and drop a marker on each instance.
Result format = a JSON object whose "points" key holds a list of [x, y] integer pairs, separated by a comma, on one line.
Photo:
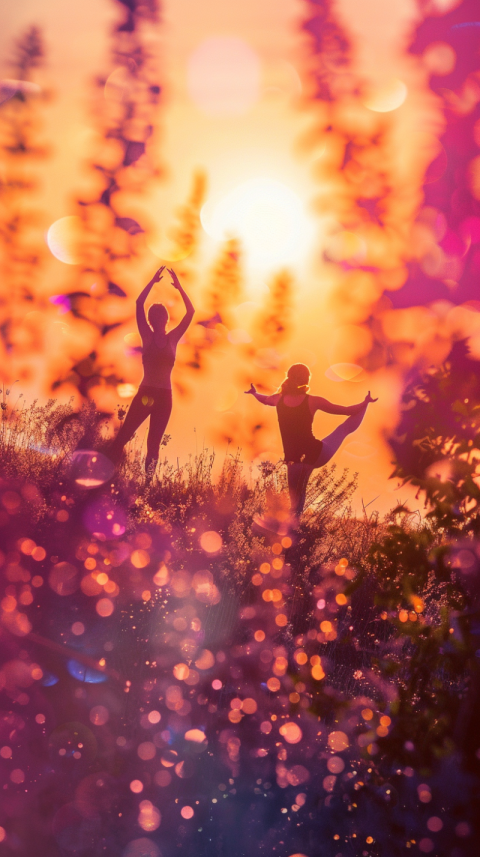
{"points": [[158, 362]]}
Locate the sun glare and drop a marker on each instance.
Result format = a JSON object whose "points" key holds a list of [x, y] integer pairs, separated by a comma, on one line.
{"points": [[267, 216]]}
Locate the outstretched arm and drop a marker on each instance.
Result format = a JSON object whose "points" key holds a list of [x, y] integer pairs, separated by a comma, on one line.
{"points": [[144, 328], [265, 400], [180, 329], [321, 404]]}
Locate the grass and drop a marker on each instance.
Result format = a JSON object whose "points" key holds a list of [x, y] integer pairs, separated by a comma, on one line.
{"points": [[331, 676]]}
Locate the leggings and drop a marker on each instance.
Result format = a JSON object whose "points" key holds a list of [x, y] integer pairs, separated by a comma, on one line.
{"points": [[153, 402], [299, 473]]}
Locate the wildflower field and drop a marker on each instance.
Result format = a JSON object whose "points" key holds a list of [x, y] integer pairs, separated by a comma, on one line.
{"points": [[177, 680]]}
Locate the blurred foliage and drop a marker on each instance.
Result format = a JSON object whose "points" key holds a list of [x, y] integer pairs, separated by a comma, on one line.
{"points": [[124, 164], [22, 152], [438, 438]]}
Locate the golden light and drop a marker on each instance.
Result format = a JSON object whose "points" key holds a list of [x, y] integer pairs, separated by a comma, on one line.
{"points": [[338, 741], [195, 735], [126, 391], [226, 399], [267, 216], [164, 248], [291, 732], [62, 239], [387, 97], [223, 76]]}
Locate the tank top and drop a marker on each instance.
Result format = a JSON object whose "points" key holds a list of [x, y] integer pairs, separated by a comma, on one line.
{"points": [[158, 363], [299, 443]]}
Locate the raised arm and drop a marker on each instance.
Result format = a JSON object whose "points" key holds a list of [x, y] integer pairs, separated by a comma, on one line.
{"points": [[265, 400], [180, 329], [144, 328], [321, 404]]}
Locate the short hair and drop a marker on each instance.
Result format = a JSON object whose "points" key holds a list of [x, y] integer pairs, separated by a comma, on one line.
{"points": [[157, 311]]}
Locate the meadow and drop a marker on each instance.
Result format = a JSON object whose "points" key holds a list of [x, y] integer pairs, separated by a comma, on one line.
{"points": [[176, 677]]}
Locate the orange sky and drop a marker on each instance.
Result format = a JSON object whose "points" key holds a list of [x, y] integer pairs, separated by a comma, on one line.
{"points": [[262, 142]]}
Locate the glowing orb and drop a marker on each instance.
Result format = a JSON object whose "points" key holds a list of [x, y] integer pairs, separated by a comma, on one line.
{"points": [[62, 240], [388, 97], [268, 218], [291, 732], [149, 817], [211, 542], [223, 76], [338, 741], [187, 812], [195, 735]]}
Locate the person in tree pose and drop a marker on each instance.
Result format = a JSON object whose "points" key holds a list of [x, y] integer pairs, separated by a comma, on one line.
{"points": [[154, 397], [295, 411]]}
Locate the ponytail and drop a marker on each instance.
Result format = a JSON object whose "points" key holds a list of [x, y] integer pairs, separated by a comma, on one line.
{"points": [[296, 381], [292, 388]]}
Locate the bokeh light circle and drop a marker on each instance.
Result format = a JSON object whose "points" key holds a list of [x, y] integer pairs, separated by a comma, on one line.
{"points": [[99, 715], [63, 238], [223, 76], [63, 578], [439, 58], [211, 542], [338, 741], [387, 97], [90, 468], [187, 812], [291, 732]]}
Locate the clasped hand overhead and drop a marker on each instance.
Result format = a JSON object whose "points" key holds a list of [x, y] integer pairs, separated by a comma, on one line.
{"points": [[159, 275]]}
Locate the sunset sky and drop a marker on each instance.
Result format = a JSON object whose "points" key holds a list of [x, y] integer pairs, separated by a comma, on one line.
{"points": [[260, 139]]}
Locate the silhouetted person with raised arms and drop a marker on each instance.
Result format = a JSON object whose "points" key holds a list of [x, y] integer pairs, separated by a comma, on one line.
{"points": [[154, 397], [295, 411]]}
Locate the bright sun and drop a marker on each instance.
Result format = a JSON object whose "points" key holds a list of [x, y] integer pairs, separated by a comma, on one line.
{"points": [[267, 217]]}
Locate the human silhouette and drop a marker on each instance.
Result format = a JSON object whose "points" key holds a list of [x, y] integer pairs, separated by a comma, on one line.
{"points": [[154, 397], [295, 411]]}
